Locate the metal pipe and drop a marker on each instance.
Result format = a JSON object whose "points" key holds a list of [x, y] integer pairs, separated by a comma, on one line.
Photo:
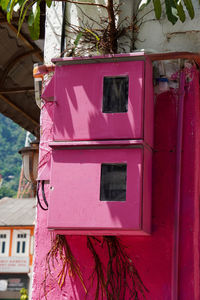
{"points": [[41, 70], [175, 258]]}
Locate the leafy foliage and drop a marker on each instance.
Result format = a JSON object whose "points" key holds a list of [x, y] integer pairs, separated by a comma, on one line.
{"points": [[12, 138], [174, 10], [30, 8], [34, 22], [24, 294], [157, 8]]}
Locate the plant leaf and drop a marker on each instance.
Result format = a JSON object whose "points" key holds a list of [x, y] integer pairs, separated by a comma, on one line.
{"points": [[157, 8], [143, 4], [31, 18], [180, 11], [23, 12], [5, 4], [170, 16], [34, 24], [20, 2], [78, 39], [49, 2], [190, 8], [10, 9]]}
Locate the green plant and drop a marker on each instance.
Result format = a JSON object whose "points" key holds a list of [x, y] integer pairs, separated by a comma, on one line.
{"points": [[24, 294], [12, 138], [174, 10]]}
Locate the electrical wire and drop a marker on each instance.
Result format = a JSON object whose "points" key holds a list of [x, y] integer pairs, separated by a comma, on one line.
{"points": [[43, 196], [62, 46]]}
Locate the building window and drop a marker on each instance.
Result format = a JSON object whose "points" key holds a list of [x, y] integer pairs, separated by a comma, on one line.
{"points": [[115, 94], [113, 182], [4, 242], [21, 239]]}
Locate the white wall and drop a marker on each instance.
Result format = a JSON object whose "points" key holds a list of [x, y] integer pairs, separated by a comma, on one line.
{"points": [[53, 31], [162, 36]]}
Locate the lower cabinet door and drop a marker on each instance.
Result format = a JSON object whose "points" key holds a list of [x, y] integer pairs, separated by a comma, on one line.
{"points": [[101, 191]]}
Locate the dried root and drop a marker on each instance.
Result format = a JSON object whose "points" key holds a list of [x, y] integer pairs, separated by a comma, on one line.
{"points": [[120, 279], [61, 253]]}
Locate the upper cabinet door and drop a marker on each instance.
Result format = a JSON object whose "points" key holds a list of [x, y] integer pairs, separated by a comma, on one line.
{"points": [[101, 101]]}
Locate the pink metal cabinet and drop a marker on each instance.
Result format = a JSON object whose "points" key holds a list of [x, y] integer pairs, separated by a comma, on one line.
{"points": [[102, 145], [76, 202], [82, 87]]}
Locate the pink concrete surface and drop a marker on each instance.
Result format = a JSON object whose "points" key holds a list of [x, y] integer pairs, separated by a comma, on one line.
{"points": [[78, 95], [46, 123], [48, 92], [153, 254]]}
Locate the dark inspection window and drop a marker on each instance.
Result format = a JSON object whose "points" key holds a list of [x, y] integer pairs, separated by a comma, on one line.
{"points": [[113, 182], [115, 94]]}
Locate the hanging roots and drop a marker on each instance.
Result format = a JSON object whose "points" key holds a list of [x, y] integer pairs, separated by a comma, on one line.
{"points": [[98, 269], [117, 281], [120, 279], [62, 254]]}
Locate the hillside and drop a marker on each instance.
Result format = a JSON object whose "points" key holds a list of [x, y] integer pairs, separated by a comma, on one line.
{"points": [[12, 138]]}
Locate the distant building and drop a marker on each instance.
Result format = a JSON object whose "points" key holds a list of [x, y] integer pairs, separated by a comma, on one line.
{"points": [[16, 245]]}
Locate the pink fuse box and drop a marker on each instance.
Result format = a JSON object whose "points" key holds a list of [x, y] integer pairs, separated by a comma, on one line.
{"points": [[101, 159], [103, 98], [100, 188]]}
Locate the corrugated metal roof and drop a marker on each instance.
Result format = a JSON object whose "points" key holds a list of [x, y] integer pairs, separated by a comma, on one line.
{"points": [[17, 56], [17, 212]]}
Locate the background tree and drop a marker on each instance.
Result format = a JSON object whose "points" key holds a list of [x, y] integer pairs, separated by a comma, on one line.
{"points": [[12, 139]]}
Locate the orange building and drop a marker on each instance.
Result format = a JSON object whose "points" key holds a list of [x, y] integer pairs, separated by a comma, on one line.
{"points": [[16, 245]]}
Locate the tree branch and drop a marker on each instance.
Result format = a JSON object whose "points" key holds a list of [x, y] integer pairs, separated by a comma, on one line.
{"points": [[111, 26], [85, 3]]}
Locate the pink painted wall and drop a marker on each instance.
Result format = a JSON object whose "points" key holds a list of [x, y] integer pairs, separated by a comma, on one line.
{"points": [[153, 254]]}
